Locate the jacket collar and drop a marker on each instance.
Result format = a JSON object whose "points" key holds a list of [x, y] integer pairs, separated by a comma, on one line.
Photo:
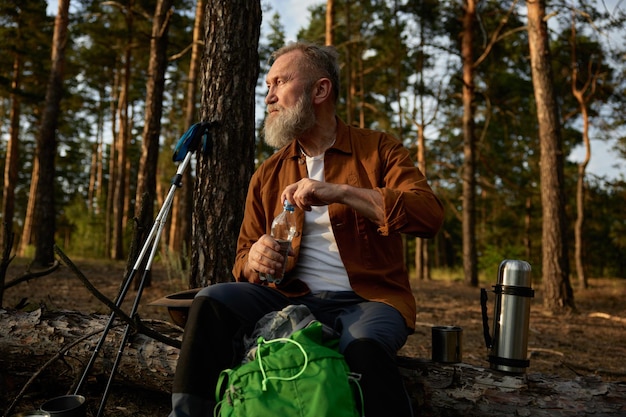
{"points": [[343, 143]]}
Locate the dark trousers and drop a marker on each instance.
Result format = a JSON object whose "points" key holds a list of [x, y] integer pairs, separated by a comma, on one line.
{"points": [[370, 335]]}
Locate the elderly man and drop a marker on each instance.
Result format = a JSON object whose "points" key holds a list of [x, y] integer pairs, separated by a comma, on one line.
{"points": [[355, 192]]}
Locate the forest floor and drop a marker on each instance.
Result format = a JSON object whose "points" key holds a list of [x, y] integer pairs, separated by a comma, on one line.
{"points": [[590, 342]]}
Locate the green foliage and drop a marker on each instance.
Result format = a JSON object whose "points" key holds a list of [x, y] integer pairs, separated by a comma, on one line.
{"points": [[448, 274], [86, 229], [491, 256], [176, 272], [605, 228]]}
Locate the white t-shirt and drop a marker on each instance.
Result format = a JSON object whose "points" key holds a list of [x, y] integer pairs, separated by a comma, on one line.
{"points": [[319, 263]]}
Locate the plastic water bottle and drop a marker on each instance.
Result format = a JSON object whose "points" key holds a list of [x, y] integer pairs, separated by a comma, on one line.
{"points": [[283, 230]]}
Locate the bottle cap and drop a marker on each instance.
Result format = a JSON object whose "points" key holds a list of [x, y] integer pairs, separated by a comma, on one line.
{"points": [[288, 206]]}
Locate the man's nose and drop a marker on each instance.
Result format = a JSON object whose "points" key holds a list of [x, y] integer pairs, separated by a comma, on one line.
{"points": [[270, 97]]}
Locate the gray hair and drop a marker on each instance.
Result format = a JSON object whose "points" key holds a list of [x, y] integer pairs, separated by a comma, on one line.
{"points": [[318, 61]]}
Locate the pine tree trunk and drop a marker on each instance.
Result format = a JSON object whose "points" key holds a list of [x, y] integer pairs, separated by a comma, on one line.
{"points": [[11, 160], [112, 183], [330, 22], [579, 95], [469, 147], [229, 81], [148, 163], [147, 179], [45, 212], [180, 227], [558, 294], [422, 267], [121, 143], [100, 170], [27, 229]]}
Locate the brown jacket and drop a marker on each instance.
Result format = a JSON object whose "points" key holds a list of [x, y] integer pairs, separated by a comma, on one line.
{"points": [[372, 255]]}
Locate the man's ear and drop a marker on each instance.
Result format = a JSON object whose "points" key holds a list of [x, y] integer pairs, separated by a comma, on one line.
{"points": [[322, 90]]}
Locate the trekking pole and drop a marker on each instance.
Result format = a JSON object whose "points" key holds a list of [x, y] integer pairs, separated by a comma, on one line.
{"points": [[194, 138], [189, 141], [122, 295], [105, 331], [152, 239]]}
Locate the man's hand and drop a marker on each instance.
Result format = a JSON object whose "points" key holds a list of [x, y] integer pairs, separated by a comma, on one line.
{"points": [[307, 193], [263, 257]]}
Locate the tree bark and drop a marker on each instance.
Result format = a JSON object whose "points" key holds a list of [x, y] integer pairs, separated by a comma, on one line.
{"points": [[45, 212], [146, 182], [470, 267], [330, 23], [121, 144], [11, 160], [28, 340], [555, 266], [148, 163], [422, 265], [582, 95], [109, 220], [27, 229], [180, 226], [230, 72]]}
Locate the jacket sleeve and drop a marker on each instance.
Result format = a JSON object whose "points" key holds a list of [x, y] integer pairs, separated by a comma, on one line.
{"points": [[252, 227], [409, 204]]}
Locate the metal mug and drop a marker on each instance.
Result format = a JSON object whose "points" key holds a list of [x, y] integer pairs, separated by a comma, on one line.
{"points": [[66, 406], [447, 344]]}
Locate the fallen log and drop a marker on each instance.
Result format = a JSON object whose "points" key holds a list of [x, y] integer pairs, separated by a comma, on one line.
{"points": [[467, 390], [27, 340]]}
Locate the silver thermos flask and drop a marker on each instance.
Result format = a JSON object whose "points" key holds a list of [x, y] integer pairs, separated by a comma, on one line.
{"points": [[508, 346]]}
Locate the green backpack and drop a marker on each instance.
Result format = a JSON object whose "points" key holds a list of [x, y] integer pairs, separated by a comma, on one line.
{"points": [[297, 376]]}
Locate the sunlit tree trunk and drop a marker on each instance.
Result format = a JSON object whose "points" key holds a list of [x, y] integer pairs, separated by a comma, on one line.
{"points": [[228, 84], [470, 267], [558, 294], [100, 170], [121, 143], [109, 213], [422, 269], [146, 182], [148, 163], [330, 22], [45, 211], [93, 169], [421, 121], [349, 70], [11, 160], [360, 76], [582, 95], [27, 230], [96, 167], [180, 227]]}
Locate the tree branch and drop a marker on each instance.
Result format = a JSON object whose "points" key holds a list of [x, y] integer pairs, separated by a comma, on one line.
{"points": [[135, 322]]}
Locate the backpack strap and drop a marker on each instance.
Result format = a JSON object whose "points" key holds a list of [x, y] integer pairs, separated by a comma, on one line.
{"points": [[279, 378]]}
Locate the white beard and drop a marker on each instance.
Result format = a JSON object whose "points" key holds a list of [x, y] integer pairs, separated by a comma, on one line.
{"points": [[288, 124]]}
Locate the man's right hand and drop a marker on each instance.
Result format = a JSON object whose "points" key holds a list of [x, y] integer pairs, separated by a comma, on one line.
{"points": [[263, 257]]}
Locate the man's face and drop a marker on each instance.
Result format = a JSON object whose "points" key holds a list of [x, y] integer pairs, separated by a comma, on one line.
{"points": [[289, 104]]}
